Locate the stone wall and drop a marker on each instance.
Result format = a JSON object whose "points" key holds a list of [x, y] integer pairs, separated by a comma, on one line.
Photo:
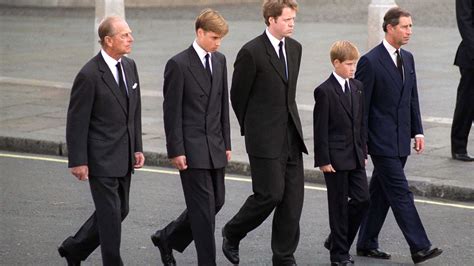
{"points": [[128, 3]]}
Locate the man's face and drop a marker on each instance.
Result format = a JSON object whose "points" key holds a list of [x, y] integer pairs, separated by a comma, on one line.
{"points": [[345, 69], [208, 40], [283, 25], [121, 42], [400, 34]]}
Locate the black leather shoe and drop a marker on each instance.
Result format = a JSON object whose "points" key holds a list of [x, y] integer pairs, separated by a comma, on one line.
{"points": [[373, 253], [165, 251], [345, 262], [70, 261], [425, 254], [230, 249], [463, 157], [327, 245]]}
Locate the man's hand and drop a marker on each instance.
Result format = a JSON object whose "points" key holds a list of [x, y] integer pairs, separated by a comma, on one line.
{"points": [[81, 172], [139, 160], [327, 168], [179, 162], [228, 154], [419, 145]]}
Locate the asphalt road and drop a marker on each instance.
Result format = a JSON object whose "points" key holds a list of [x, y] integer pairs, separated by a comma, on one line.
{"points": [[41, 204]]}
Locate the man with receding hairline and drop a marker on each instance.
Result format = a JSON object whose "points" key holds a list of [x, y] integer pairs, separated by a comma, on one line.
{"points": [[104, 141], [393, 118]]}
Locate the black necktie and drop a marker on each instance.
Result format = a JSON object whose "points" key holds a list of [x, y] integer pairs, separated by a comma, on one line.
{"points": [[399, 63], [208, 67], [122, 86], [347, 92], [282, 58]]}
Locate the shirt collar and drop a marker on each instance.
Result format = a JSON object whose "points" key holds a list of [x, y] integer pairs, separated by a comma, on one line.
{"points": [[201, 52], [274, 41], [111, 62], [391, 50], [341, 80]]}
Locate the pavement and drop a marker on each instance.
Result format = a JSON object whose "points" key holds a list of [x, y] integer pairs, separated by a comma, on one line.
{"points": [[42, 49]]}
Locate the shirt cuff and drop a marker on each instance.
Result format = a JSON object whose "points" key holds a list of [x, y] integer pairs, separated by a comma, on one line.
{"points": [[419, 136]]}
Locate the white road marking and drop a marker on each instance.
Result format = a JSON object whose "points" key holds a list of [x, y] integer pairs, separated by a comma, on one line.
{"points": [[233, 178]]}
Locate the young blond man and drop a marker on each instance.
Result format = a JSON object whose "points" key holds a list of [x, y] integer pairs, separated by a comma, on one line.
{"points": [[196, 120], [340, 150]]}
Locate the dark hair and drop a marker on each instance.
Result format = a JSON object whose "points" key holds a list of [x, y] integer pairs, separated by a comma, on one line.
{"points": [[274, 8], [392, 17], [211, 20]]}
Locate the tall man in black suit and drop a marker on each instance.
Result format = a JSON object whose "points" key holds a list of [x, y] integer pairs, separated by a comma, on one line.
{"points": [[104, 140], [340, 150], [464, 111], [196, 117], [263, 98], [393, 118]]}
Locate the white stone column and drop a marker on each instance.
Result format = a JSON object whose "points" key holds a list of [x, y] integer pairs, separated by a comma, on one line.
{"points": [[104, 8], [377, 9]]}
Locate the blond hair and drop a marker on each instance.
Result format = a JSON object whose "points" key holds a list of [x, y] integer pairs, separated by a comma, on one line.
{"points": [[343, 50], [211, 20]]}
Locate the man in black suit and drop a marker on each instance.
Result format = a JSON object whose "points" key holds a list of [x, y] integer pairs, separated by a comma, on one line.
{"points": [[196, 118], [464, 111], [263, 98], [340, 150], [104, 141], [393, 118]]}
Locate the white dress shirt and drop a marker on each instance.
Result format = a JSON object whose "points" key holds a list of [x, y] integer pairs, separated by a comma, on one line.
{"points": [[202, 54], [276, 43], [341, 81], [112, 64]]}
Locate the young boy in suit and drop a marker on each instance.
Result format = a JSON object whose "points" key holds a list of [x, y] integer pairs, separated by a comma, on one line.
{"points": [[340, 150]]}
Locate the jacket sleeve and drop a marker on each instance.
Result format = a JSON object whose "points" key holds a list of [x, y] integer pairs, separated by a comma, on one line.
{"points": [[138, 116], [415, 113], [242, 82], [320, 128], [173, 87], [225, 109], [464, 17], [78, 118]]}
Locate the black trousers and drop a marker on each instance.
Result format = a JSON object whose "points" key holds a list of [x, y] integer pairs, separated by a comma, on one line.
{"points": [[464, 111], [348, 201], [204, 193], [278, 184], [389, 189], [111, 197]]}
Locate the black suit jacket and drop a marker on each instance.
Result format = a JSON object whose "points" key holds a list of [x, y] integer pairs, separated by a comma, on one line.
{"points": [[339, 130], [102, 131], [196, 112], [465, 21], [262, 98]]}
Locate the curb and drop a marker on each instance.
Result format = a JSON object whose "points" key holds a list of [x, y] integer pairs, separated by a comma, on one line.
{"points": [[57, 148]]}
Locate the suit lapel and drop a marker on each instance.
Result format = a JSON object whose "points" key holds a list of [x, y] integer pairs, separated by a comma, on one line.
{"points": [[130, 77], [407, 72], [273, 57], [197, 70], [355, 94], [109, 80], [387, 62], [342, 97]]}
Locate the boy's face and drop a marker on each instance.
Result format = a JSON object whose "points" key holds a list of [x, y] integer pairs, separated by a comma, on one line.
{"points": [[208, 40], [345, 69]]}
